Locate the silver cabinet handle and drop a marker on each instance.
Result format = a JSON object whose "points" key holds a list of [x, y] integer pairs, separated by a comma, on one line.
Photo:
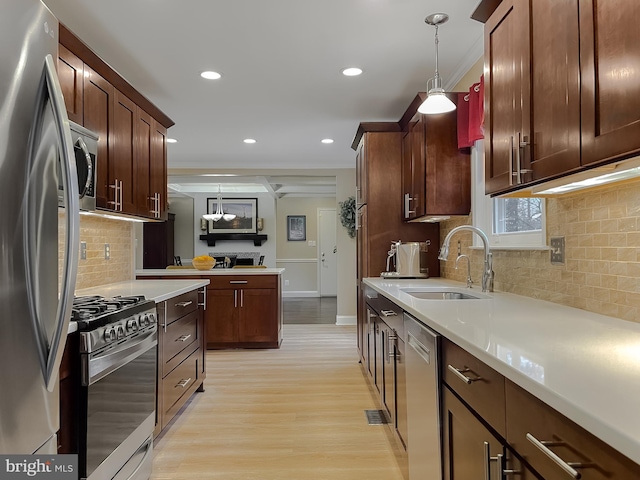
{"points": [[488, 459], [184, 304], [461, 374], [241, 298], [235, 299], [568, 467], [203, 292], [183, 338], [183, 383], [511, 172], [502, 472], [238, 282], [388, 313]]}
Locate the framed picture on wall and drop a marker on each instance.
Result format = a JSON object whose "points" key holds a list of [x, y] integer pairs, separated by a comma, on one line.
{"points": [[296, 228], [245, 211]]}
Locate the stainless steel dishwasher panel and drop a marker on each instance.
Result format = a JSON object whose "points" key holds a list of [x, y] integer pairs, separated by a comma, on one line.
{"points": [[423, 401]]}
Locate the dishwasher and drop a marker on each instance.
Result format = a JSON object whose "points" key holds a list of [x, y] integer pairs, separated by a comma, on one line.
{"points": [[423, 400]]}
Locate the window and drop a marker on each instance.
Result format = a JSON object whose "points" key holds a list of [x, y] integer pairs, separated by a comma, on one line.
{"points": [[508, 222]]}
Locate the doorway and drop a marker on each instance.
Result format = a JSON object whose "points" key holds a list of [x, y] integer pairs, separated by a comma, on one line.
{"points": [[327, 253]]}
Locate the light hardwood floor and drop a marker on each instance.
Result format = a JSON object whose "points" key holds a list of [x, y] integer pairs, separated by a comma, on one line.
{"points": [[292, 413]]}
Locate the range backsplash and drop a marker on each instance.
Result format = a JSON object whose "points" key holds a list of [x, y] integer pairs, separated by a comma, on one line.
{"points": [[95, 270], [601, 273]]}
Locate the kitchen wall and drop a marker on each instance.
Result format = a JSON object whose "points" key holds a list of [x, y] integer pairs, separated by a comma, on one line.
{"points": [[298, 258], [347, 278], [601, 273], [97, 231]]}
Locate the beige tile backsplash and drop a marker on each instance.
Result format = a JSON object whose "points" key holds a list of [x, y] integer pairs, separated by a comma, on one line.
{"points": [[95, 270], [601, 273]]}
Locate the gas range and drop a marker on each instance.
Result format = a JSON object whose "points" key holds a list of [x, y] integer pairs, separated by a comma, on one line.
{"points": [[107, 321]]}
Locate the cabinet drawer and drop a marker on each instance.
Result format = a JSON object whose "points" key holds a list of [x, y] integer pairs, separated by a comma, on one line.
{"points": [[181, 305], [243, 281], [484, 389], [179, 341], [179, 381], [529, 419]]}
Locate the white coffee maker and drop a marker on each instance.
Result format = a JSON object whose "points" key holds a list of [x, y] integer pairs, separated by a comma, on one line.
{"points": [[409, 259]]}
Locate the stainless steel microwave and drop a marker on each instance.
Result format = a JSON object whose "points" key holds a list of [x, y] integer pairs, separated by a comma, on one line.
{"points": [[85, 146]]}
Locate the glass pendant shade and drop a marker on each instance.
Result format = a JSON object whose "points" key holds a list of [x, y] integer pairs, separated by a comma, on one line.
{"points": [[436, 101], [219, 213]]}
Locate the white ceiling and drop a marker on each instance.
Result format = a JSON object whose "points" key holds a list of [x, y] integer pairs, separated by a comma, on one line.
{"points": [[281, 63]]}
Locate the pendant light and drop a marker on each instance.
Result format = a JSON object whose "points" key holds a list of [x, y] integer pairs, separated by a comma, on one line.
{"points": [[219, 213], [436, 101]]}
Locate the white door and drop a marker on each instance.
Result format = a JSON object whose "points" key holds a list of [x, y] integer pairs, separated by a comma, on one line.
{"points": [[327, 253]]}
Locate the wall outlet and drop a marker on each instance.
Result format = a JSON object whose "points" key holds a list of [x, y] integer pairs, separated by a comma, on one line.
{"points": [[286, 283], [557, 250], [107, 251], [312, 243], [83, 250]]}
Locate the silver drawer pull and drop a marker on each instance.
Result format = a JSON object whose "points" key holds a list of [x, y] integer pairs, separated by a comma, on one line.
{"points": [[238, 282], [388, 313], [568, 467], [183, 338], [461, 374], [183, 383], [184, 304]]}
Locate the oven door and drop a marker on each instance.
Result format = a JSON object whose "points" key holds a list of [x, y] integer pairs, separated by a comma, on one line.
{"points": [[120, 402]]}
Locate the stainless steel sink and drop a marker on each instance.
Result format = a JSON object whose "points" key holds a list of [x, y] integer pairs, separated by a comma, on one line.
{"points": [[441, 294]]}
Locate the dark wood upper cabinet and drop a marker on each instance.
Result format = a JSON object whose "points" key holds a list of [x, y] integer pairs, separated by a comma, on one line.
{"points": [[132, 147], [610, 60], [71, 75], [562, 91], [436, 175]]}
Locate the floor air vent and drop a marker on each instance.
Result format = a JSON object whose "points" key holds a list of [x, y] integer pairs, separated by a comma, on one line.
{"points": [[376, 417]]}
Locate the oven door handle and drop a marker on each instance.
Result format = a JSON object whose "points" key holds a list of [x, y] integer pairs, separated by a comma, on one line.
{"points": [[96, 367]]}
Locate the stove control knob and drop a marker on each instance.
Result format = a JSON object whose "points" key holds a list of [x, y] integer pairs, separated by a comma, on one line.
{"points": [[144, 320], [132, 325], [152, 318], [109, 334], [120, 331]]}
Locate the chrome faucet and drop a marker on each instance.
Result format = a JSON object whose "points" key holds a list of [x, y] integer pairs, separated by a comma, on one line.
{"points": [[469, 281], [487, 275]]}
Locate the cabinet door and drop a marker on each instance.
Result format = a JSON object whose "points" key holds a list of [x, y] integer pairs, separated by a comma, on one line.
{"points": [[221, 317], [551, 139], [506, 90], [258, 311], [121, 162], [71, 75], [142, 162], [418, 167], [470, 449], [98, 110], [610, 70], [158, 169]]}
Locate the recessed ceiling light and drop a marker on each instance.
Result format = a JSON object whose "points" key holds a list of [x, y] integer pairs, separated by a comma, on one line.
{"points": [[172, 140], [209, 75], [327, 140], [351, 71], [249, 140]]}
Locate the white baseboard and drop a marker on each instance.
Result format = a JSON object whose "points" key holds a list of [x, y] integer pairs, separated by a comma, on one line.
{"points": [[346, 320], [303, 293]]}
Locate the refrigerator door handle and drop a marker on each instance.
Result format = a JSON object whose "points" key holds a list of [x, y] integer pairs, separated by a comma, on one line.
{"points": [[51, 351]]}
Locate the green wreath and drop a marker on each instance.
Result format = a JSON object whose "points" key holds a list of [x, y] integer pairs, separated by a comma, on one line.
{"points": [[348, 215]]}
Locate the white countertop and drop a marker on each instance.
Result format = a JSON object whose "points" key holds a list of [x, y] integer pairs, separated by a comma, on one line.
{"points": [[158, 290], [585, 365], [177, 272]]}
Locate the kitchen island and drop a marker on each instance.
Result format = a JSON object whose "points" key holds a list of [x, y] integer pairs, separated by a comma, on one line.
{"points": [[583, 365], [244, 305]]}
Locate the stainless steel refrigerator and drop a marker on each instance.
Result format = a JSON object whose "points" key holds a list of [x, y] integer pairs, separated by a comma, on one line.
{"points": [[36, 287]]}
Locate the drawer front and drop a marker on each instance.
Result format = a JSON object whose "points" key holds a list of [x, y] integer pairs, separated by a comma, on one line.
{"points": [[243, 281], [177, 340], [484, 389], [181, 305], [177, 383], [392, 315], [531, 424]]}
